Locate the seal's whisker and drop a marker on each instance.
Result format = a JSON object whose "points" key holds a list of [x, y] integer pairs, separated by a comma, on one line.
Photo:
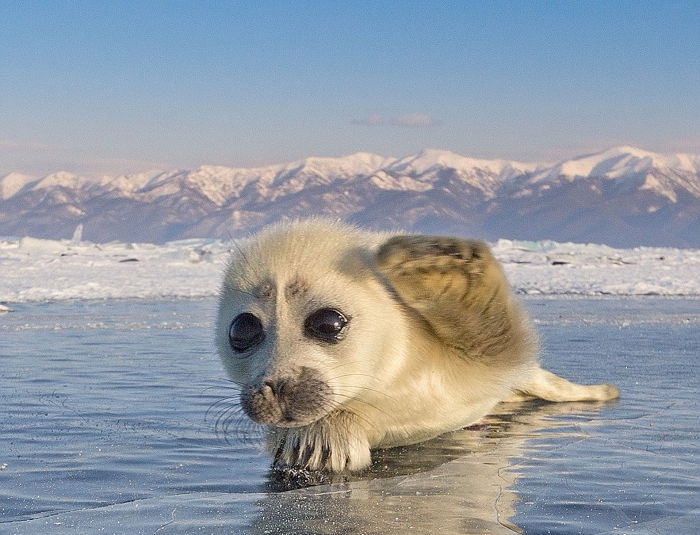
{"points": [[208, 388], [216, 406], [221, 422], [225, 413], [244, 428], [231, 421], [345, 363], [351, 398], [362, 387], [341, 408], [354, 375], [237, 384], [224, 408], [227, 399], [227, 382]]}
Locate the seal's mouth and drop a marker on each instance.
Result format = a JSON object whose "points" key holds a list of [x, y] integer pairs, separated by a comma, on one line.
{"points": [[291, 401]]}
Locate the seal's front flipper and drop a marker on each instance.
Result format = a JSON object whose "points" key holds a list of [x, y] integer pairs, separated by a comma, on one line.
{"points": [[335, 443], [548, 386], [458, 288]]}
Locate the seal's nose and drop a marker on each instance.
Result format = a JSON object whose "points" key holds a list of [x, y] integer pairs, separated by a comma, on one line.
{"points": [[269, 389], [261, 402], [289, 400], [275, 388]]}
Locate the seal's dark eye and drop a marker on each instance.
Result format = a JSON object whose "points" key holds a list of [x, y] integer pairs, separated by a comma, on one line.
{"points": [[245, 332], [326, 324]]}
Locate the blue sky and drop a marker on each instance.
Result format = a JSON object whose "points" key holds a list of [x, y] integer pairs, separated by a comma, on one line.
{"points": [[126, 86]]}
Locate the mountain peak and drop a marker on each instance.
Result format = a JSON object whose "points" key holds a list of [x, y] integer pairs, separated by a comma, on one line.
{"points": [[359, 163], [616, 162], [11, 183], [357, 158], [628, 150], [427, 159], [60, 178]]}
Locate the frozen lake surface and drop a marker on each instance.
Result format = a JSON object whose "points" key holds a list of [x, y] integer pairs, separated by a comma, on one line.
{"points": [[108, 424]]}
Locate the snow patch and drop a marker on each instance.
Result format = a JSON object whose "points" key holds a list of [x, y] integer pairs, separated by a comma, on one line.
{"points": [[34, 269], [429, 159], [618, 162], [12, 183], [401, 183]]}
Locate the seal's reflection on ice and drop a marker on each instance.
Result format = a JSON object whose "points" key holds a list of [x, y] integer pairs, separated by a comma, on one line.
{"points": [[459, 483]]}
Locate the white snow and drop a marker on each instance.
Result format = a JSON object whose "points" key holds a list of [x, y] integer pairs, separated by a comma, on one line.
{"points": [[617, 162], [33, 269], [428, 159], [551, 268], [401, 183], [220, 183], [11, 183]]}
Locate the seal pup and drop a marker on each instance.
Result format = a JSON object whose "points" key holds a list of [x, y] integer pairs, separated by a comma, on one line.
{"points": [[344, 340]]}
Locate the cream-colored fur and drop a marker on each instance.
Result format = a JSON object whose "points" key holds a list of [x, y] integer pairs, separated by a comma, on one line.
{"points": [[434, 340]]}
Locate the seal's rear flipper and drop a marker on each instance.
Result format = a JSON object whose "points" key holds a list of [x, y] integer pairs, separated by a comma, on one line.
{"points": [[548, 386]]}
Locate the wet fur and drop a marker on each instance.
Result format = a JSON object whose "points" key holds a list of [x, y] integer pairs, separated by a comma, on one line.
{"points": [[435, 340]]}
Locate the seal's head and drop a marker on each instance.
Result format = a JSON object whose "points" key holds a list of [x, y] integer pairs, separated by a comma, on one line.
{"points": [[302, 325]]}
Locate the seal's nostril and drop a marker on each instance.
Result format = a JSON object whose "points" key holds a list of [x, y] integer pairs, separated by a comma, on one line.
{"points": [[269, 386]]}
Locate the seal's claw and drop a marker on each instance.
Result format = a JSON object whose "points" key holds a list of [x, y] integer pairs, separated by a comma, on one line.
{"points": [[335, 446]]}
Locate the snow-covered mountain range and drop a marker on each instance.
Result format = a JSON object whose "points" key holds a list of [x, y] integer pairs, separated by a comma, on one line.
{"points": [[622, 197]]}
